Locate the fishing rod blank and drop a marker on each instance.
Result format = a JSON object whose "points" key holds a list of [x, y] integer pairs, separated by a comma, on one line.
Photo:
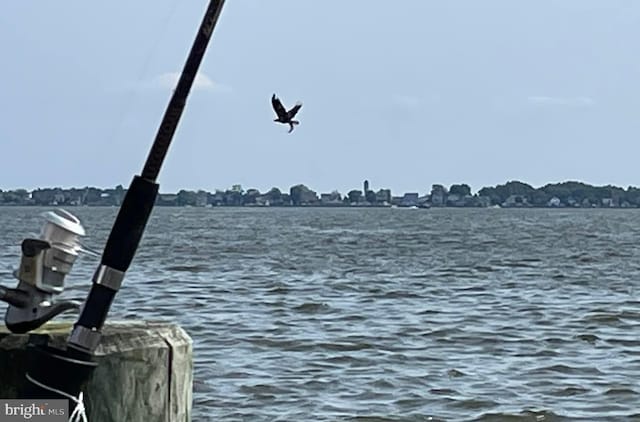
{"points": [[138, 202]]}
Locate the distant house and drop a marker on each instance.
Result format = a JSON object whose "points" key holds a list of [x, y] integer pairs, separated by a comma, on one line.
{"points": [[438, 195], [216, 199], [333, 198], [272, 198], [302, 195], [383, 196], [483, 201], [515, 201], [424, 201], [607, 202], [167, 199], [201, 199], [48, 196], [554, 202], [457, 200], [572, 202], [410, 200], [396, 200], [355, 196], [308, 197]]}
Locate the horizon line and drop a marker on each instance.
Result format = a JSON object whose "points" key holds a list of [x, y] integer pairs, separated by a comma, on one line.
{"points": [[244, 189]]}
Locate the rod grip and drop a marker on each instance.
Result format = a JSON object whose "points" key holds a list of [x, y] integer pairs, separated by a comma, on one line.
{"points": [[130, 224]]}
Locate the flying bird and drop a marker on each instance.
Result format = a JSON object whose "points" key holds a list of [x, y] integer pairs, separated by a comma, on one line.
{"points": [[285, 116]]}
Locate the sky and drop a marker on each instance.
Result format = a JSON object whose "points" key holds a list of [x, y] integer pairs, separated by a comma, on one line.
{"points": [[405, 94]]}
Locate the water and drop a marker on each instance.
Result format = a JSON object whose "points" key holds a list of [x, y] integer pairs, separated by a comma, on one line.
{"points": [[387, 314]]}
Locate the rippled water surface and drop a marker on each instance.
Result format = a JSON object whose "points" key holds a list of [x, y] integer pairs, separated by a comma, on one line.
{"points": [[386, 314]]}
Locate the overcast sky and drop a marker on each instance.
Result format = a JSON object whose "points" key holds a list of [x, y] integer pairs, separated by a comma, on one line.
{"points": [[405, 93]]}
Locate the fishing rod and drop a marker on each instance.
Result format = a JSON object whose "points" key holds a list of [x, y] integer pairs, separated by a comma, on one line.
{"points": [[55, 373]]}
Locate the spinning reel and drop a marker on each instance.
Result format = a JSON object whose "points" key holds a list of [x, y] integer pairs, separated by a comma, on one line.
{"points": [[43, 267]]}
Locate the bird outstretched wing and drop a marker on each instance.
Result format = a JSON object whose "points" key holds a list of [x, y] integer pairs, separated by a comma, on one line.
{"points": [[278, 108], [294, 110]]}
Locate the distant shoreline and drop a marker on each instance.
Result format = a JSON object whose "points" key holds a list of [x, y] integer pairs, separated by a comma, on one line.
{"points": [[513, 194], [354, 207]]}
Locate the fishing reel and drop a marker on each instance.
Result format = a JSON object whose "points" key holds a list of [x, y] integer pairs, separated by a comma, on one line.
{"points": [[43, 267]]}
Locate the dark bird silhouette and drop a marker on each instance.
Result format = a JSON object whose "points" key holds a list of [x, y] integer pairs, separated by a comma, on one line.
{"points": [[285, 116]]}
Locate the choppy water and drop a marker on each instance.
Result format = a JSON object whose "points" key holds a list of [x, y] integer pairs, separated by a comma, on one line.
{"points": [[387, 314]]}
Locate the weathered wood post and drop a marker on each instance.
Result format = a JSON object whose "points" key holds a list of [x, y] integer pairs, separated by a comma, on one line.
{"points": [[144, 372]]}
